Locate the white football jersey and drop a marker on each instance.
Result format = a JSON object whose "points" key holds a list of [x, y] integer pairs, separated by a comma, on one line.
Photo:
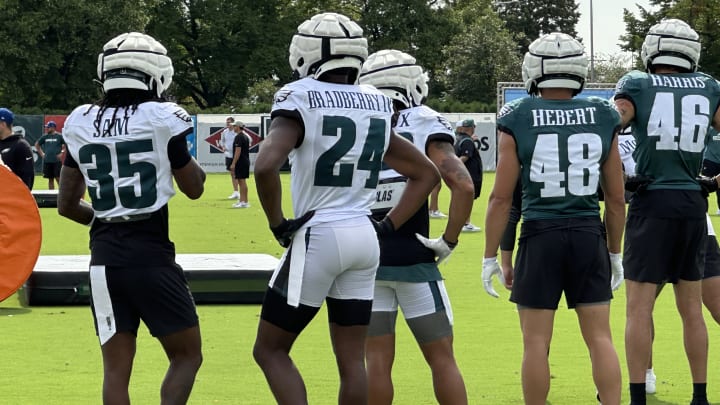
{"points": [[711, 229], [227, 137], [415, 124], [347, 132], [127, 169], [626, 146]]}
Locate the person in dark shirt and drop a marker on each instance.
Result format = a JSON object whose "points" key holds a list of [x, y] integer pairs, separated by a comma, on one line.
{"points": [[240, 164], [15, 152], [51, 148], [467, 152]]}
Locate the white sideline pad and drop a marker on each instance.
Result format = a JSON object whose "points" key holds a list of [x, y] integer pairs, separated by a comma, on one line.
{"points": [[194, 262], [44, 192], [45, 198], [212, 278]]}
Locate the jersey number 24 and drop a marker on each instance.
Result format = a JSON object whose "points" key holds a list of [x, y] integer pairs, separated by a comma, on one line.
{"points": [[370, 157]]}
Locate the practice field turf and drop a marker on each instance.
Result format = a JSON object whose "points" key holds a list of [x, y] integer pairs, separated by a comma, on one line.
{"points": [[50, 355]]}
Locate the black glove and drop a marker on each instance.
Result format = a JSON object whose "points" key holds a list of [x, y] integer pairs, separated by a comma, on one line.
{"points": [[383, 227], [637, 182], [287, 228], [708, 185]]}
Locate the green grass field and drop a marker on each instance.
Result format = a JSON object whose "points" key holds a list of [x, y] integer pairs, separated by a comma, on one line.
{"points": [[50, 355]]}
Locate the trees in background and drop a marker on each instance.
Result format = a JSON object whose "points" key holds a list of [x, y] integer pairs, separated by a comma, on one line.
{"points": [[702, 15], [527, 19], [221, 48], [49, 49], [232, 54], [480, 55]]}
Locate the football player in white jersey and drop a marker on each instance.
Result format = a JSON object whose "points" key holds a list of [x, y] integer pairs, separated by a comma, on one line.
{"points": [[337, 135], [126, 150], [408, 276]]}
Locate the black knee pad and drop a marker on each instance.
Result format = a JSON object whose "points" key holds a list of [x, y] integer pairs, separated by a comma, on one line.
{"points": [[349, 312], [276, 311]]}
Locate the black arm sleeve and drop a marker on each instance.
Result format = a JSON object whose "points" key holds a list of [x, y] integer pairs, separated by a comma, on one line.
{"points": [[294, 115], [177, 150], [70, 161]]}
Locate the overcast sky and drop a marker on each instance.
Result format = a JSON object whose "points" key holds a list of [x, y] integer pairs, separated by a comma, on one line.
{"points": [[608, 24]]}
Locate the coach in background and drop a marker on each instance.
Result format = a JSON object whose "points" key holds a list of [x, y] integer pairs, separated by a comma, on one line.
{"points": [[15, 152], [50, 147], [127, 149], [467, 152], [240, 164], [227, 138], [563, 248]]}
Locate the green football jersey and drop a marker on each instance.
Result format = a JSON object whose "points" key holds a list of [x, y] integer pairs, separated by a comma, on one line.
{"points": [[561, 145], [672, 115], [712, 151]]}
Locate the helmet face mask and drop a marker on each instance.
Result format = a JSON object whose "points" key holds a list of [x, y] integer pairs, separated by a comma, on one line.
{"points": [[671, 42], [396, 74], [326, 42], [555, 60], [135, 61]]}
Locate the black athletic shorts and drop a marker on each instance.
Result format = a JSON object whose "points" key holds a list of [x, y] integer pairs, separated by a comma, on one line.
{"points": [[51, 170], [561, 255], [712, 258], [659, 250], [242, 170], [710, 168], [478, 187], [158, 295]]}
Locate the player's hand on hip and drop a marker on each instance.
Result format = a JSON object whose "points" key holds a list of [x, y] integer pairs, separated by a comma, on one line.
{"points": [[637, 182], [491, 268], [618, 273], [708, 185], [287, 228], [383, 227], [440, 246]]}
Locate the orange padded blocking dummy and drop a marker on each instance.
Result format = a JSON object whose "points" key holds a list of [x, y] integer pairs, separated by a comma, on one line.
{"points": [[20, 232]]}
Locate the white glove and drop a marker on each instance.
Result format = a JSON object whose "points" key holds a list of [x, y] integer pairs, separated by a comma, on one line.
{"points": [[618, 273], [490, 268], [440, 246]]}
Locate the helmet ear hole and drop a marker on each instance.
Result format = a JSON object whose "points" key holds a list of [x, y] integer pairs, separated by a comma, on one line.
{"points": [[300, 62]]}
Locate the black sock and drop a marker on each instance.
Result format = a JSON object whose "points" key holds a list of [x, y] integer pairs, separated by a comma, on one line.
{"points": [[700, 391], [637, 393]]}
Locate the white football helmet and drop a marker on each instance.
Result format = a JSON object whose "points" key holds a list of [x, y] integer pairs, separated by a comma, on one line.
{"points": [[135, 61], [555, 60], [397, 76], [325, 42], [671, 42]]}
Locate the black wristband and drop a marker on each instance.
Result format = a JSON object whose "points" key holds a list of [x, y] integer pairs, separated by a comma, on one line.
{"points": [[451, 245]]}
